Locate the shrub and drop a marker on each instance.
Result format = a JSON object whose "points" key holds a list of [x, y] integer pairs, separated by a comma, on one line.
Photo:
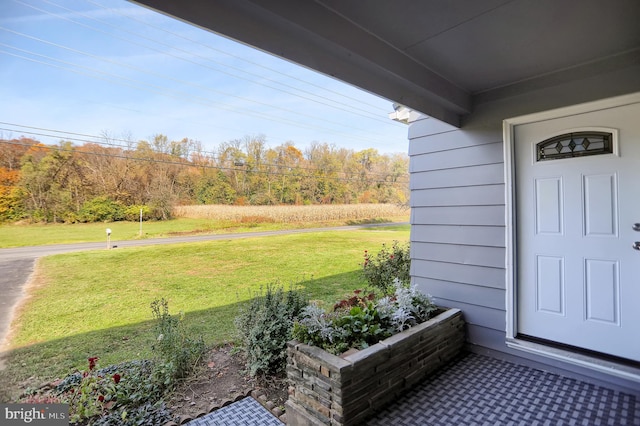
{"points": [[101, 209], [160, 211], [265, 327], [132, 213], [389, 264], [364, 323], [177, 353]]}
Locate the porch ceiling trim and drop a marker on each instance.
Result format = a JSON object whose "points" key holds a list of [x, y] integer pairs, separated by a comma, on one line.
{"points": [[441, 59], [313, 36]]}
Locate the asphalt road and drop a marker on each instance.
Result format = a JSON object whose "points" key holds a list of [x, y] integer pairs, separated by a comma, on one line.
{"points": [[13, 276], [17, 264]]}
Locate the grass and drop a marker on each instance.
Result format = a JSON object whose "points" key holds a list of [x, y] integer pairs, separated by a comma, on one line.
{"points": [[97, 303], [20, 235], [213, 220]]}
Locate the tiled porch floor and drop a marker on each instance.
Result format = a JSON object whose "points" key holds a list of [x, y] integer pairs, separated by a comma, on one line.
{"points": [[479, 390], [247, 411]]}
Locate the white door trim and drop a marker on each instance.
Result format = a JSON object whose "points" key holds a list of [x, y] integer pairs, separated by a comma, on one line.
{"points": [[511, 239]]}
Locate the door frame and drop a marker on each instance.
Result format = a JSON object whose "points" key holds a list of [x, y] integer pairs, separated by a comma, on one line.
{"points": [[511, 255]]}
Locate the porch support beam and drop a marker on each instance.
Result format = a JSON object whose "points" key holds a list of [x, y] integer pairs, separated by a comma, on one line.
{"points": [[307, 33]]}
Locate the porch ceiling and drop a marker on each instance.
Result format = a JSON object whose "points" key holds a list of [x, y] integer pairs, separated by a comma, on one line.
{"points": [[438, 57]]}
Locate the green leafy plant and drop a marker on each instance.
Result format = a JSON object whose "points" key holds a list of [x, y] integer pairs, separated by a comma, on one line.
{"points": [[132, 393], [265, 327], [360, 328], [136, 384], [94, 393], [87, 398], [366, 322], [132, 212], [389, 264], [176, 351], [144, 415], [101, 209]]}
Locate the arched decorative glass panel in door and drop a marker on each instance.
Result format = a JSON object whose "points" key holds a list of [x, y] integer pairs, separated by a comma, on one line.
{"points": [[576, 144]]}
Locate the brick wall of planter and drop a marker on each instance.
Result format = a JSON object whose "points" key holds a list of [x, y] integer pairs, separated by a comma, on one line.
{"points": [[328, 390]]}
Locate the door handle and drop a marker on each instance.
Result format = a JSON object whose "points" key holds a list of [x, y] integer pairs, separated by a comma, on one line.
{"points": [[636, 245], [636, 227]]}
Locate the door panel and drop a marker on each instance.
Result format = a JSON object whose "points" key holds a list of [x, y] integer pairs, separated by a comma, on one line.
{"points": [[600, 205], [548, 206], [578, 280], [602, 289], [550, 284]]}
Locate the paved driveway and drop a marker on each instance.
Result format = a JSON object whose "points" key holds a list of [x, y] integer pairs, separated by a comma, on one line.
{"points": [[13, 275]]}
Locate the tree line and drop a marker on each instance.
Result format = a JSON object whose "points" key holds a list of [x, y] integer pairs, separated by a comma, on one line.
{"points": [[116, 178]]}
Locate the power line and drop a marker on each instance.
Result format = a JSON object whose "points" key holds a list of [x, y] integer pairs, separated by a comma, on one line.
{"points": [[128, 40], [208, 154], [187, 164], [112, 78], [164, 92], [151, 73], [177, 94], [312, 169], [256, 64]]}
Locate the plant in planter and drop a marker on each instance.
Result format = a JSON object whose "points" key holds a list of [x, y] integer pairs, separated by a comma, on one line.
{"points": [[326, 389], [360, 321], [401, 338]]}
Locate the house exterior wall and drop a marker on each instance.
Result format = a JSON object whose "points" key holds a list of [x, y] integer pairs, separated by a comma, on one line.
{"points": [[459, 215]]}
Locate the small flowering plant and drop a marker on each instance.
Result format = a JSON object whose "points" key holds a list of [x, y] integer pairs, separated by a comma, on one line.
{"points": [[360, 320], [93, 395], [389, 264], [131, 392], [96, 392]]}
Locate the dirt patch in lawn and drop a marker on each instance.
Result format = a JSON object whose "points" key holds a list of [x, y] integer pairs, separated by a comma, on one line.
{"points": [[222, 376]]}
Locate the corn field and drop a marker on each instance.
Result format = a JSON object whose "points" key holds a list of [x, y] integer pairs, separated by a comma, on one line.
{"points": [[289, 214]]}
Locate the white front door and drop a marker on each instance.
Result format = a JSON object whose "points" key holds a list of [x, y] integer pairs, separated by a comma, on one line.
{"points": [[578, 273]]}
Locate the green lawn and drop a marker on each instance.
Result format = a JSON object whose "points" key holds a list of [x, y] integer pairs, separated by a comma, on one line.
{"points": [[20, 235], [97, 303]]}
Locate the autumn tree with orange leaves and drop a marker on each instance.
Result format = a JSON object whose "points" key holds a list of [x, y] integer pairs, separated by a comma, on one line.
{"points": [[115, 178]]}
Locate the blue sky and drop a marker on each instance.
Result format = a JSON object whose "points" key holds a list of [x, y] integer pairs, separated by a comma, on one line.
{"points": [[109, 66]]}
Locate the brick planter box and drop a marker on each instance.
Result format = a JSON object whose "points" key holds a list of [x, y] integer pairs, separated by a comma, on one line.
{"points": [[329, 390]]}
